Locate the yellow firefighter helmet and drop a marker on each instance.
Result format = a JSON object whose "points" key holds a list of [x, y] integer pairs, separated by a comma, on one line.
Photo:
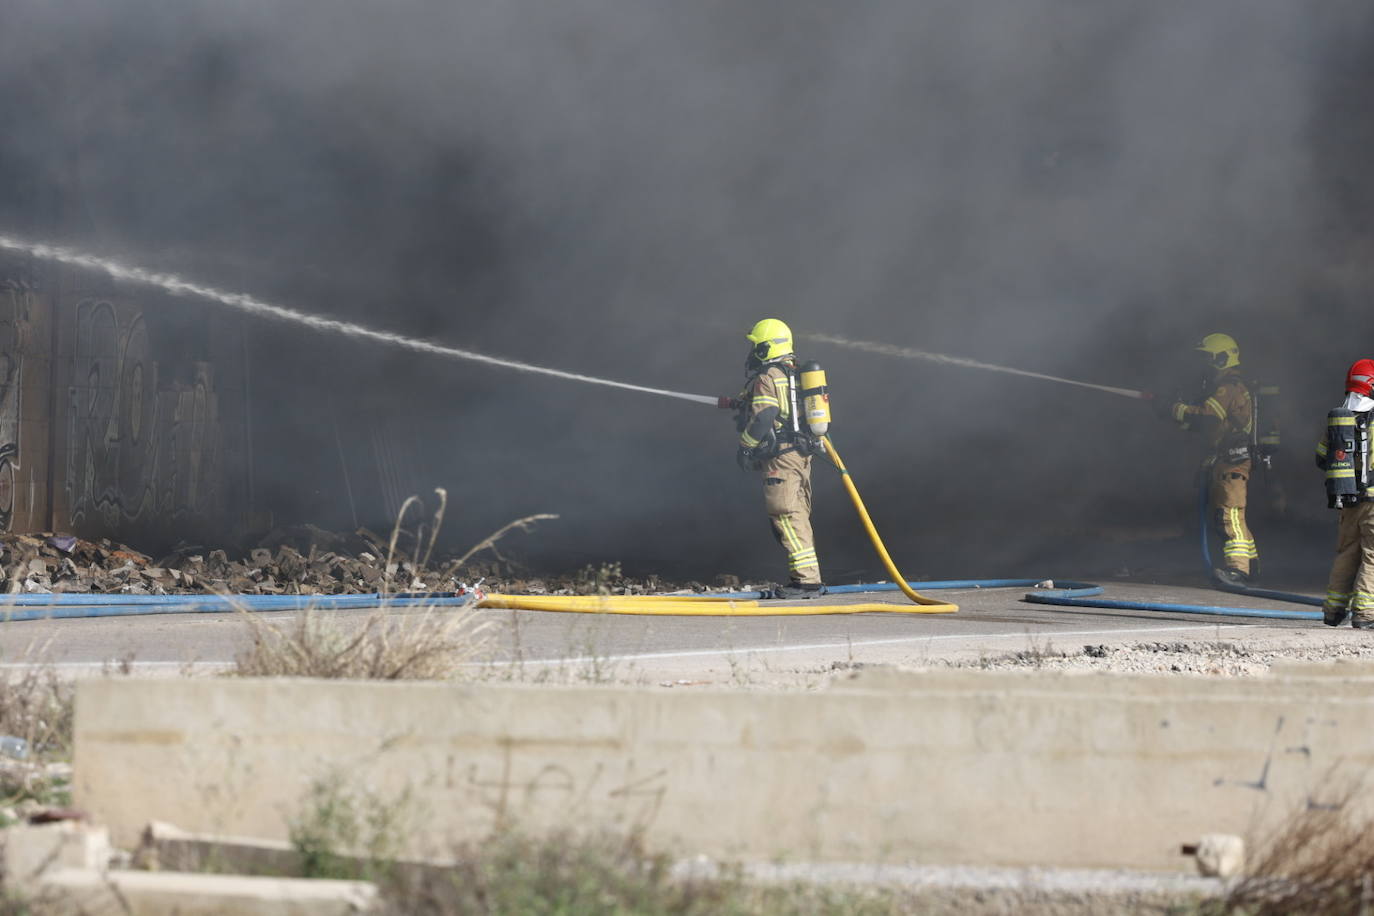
{"points": [[772, 339], [1222, 350]]}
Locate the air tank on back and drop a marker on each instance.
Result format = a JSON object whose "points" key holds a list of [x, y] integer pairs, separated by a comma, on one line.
{"points": [[815, 399]]}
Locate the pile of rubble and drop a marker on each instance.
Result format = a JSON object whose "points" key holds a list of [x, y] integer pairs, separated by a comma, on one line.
{"points": [[37, 563], [297, 561]]}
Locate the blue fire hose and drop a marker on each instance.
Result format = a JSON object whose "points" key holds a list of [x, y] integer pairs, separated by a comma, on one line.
{"points": [[1067, 600], [1204, 524], [1065, 593], [1078, 589], [286, 602], [73, 605], [1050, 597]]}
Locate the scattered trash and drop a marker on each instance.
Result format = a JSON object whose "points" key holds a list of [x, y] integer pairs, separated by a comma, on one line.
{"points": [[1218, 855], [55, 815], [14, 747], [63, 542]]}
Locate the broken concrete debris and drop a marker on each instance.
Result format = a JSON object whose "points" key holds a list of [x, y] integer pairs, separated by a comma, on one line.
{"points": [[295, 560], [69, 866], [63, 563]]}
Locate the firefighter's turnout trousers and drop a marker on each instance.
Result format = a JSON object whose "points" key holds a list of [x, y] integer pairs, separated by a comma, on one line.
{"points": [[1351, 584], [1226, 492], [787, 498]]}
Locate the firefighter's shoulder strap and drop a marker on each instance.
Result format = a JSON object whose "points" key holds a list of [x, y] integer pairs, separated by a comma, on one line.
{"points": [[793, 427], [781, 382]]}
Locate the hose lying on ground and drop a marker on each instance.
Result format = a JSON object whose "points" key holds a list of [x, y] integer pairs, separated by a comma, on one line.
{"points": [[73, 605], [929, 605], [1051, 597], [1204, 525], [687, 606], [728, 604]]}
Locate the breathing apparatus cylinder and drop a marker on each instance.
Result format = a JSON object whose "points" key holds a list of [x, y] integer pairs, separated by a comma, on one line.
{"points": [[815, 399], [1347, 457]]}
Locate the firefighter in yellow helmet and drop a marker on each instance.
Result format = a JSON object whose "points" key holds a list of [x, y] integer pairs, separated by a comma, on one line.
{"points": [[773, 439], [1226, 417]]}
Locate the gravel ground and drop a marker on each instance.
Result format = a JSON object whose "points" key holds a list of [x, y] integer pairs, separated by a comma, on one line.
{"points": [[978, 891], [1224, 658]]}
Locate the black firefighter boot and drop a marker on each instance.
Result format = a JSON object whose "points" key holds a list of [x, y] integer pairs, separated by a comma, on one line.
{"points": [[794, 591]]}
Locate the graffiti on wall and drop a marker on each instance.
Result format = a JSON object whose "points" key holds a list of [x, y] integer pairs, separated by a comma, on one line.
{"points": [[140, 442], [16, 309]]}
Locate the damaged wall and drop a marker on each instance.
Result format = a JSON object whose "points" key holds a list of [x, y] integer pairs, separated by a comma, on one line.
{"points": [[114, 421], [25, 370]]}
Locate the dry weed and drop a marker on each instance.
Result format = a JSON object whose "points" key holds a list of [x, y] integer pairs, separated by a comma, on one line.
{"points": [[573, 875], [1320, 861], [432, 644], [36, 705], [36, 724]]}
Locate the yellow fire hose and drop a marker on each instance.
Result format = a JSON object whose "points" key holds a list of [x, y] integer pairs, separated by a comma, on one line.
{"points": [[706, 606], [682, 606], [927, 605]]}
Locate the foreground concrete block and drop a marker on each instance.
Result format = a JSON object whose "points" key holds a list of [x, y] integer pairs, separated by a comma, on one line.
{"points": [[168, 847], [138, 893], [32, 851], [993, 768]]}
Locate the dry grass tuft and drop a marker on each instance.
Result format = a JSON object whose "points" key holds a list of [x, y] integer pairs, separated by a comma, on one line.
{"points": [[432, 644], [36, 707], [1320, 861], [36, 704]]}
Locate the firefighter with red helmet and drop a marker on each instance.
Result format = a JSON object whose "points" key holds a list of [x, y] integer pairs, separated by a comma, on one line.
{"points": [[1227, 418], [1344, 455]]}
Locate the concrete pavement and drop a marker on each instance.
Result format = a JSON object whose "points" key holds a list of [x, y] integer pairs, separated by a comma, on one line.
{"points": [[991, 621]]}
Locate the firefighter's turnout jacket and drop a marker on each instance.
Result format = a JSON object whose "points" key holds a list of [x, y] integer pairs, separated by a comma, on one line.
{"points": [[766, 416], [1227, 418]]}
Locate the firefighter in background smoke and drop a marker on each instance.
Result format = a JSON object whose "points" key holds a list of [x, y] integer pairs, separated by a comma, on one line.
{"points": [[772, 439], [1344, 454], [1226, 416]]}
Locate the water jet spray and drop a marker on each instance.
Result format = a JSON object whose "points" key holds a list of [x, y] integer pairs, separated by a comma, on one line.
{"points": [[245, 303], [908, 353]]}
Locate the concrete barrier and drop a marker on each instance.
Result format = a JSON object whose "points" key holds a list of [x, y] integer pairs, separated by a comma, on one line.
{"points": [[82, 892], [1014, 768], [64, 868]]}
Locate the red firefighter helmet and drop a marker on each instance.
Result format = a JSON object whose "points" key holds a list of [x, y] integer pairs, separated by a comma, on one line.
{"points": [[1360, 379]]}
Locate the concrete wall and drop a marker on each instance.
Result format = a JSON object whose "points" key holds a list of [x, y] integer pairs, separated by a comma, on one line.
{"points": [[945, 767], [118, 416]]}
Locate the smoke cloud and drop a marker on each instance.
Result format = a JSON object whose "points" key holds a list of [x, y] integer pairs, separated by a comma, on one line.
{"points": [[621, 189]]}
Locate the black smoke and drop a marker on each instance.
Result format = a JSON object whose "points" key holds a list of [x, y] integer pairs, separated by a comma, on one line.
{"points": [[623, 188]]}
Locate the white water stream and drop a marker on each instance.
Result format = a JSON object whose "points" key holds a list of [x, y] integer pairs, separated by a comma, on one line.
{"points": [[245, 303]]}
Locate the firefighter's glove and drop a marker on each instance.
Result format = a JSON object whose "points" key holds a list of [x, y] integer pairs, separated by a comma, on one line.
{"points": [[1179, 411], [747, 458]]}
